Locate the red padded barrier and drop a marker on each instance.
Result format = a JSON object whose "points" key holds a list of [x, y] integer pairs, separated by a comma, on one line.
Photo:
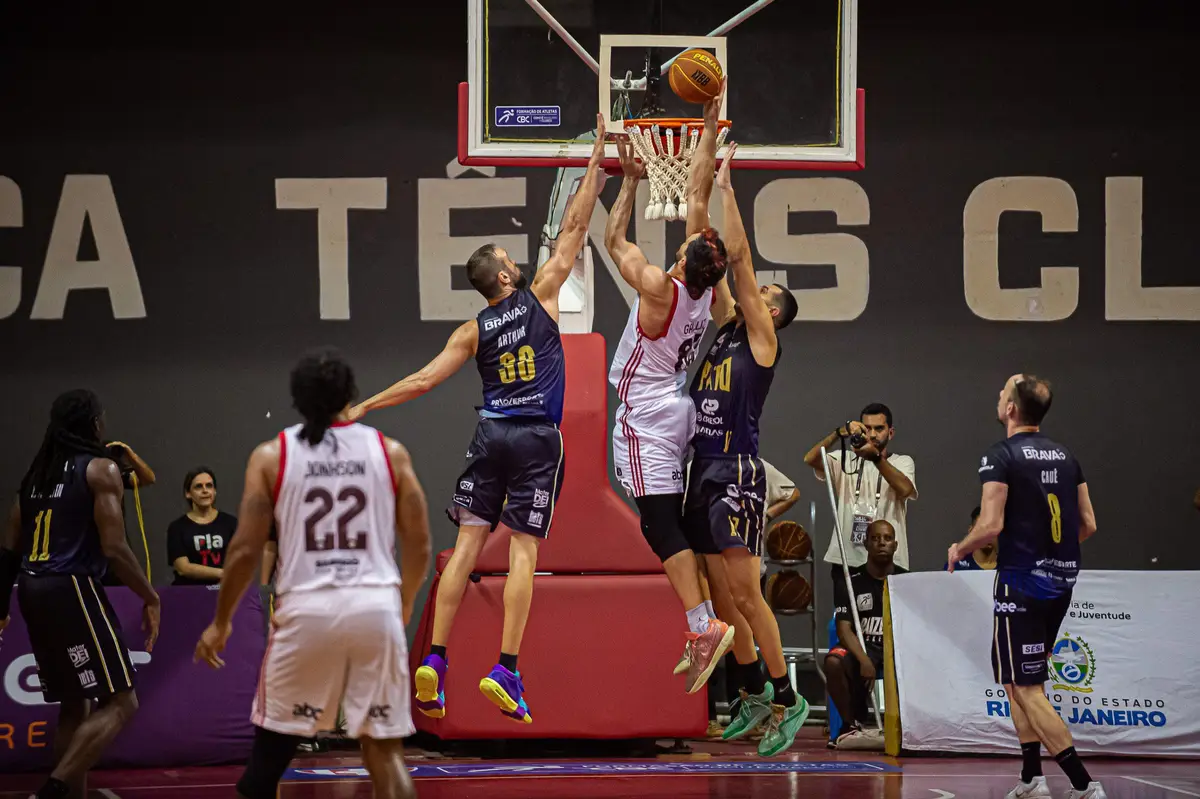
{"points": [[593, 529], [597, 659]]}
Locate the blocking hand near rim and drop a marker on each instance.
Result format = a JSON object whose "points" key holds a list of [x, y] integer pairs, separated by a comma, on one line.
{"points": [[656, 418], [725, 506], [517, 450]]}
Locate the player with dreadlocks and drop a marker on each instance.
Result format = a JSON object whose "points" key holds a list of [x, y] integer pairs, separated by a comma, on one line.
{"points": [[65, 531], [342, 496]]}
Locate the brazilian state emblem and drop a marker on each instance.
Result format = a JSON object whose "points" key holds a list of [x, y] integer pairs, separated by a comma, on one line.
{"points": [[1073, 663]]}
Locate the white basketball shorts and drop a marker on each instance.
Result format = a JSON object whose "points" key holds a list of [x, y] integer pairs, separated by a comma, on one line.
{"points": [[650, 443], [336, 647]]}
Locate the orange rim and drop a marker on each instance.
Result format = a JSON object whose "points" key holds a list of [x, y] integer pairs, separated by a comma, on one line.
{"points": [[675, 122]]}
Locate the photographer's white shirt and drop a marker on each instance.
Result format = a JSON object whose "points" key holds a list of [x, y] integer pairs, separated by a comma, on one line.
{"points": [[856, 488]]}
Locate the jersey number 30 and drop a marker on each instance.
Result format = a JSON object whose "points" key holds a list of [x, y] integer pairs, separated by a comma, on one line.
{"points": [[1055, 518], [520, 364], [357, 501]]}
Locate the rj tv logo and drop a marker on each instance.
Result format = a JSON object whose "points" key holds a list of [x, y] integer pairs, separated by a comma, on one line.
{"points": [[1073, 663]]}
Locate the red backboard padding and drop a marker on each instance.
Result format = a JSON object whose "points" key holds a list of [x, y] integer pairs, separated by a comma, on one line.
{"points": [[593, 530], [596, 659]]}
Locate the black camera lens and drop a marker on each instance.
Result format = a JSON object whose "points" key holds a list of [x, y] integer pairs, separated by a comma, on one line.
{"points": [[858, 440]]}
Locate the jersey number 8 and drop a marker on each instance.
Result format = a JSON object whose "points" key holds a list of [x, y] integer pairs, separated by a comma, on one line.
{"points": [[1055, 518], [521, 364]]}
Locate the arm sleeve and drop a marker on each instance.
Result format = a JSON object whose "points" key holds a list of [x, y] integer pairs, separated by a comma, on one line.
{"points": [[993, 466]]}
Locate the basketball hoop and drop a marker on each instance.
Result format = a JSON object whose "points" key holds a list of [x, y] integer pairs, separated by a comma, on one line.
{"points": [[666, 147]]}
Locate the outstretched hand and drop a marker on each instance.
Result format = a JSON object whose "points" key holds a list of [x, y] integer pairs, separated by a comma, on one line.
{"points": [[723, 177], [632, 167], [712, 108], [601, 137]]}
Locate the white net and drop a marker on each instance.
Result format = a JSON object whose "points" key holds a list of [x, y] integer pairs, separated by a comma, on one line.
{"points": [[666, 148]]}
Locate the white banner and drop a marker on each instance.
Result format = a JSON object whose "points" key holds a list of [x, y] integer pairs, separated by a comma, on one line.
{"points": [[1125, 670]]}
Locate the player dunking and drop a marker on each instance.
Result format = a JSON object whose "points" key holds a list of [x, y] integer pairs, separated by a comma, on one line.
{"points": [[63, 534], [726, 496], [656, 420], [341, 496], [1033, 491], [517, 451]]}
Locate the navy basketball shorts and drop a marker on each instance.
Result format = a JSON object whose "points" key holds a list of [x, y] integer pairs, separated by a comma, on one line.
{"points": [[513, 475], [725, 504], [1024, 630], [75, 636]]}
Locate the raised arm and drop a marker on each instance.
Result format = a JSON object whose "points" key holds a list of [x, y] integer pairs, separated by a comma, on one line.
{"points": [[700, 174], [458, 350], [572, 235], [760, 325], [647, 280], [412, 527]]}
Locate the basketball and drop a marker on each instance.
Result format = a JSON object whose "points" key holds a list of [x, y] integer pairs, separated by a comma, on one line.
{"points": [[696, 76], [788, 592], [788, 540]]}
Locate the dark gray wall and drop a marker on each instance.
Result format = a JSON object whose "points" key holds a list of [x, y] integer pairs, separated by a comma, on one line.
{"points": [[193, 135]]}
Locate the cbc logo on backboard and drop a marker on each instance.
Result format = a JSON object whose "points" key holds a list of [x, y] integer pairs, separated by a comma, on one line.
{"points": [[21, 678]]}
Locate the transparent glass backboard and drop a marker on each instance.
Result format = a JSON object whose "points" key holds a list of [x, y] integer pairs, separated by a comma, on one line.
{"points": [[540, 71]]}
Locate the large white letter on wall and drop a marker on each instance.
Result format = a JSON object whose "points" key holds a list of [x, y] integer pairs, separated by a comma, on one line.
{"points": [[848, 254], [88, 198], [332, 198], [1058, 296], [11, 215], [1125, 298], [438, 251]]}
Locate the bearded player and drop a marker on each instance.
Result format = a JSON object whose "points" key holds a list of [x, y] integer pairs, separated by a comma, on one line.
{"points": [[725, 503], [341, 496], [515, 461], [656, 419], [1034, 492]]}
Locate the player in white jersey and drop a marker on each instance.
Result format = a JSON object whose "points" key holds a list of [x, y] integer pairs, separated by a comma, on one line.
{"points": [[656, 419], [341, 495]]}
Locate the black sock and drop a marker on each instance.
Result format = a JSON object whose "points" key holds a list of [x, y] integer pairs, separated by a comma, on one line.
{"points": [[1072, 766], [440, 651], [54, 789], [1032, 754], [784, 694], [509, 662], [752, 677]]}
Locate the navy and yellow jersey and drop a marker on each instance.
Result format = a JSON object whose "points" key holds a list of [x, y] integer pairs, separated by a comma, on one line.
{"points": [[729, 391], [1039, 546], [520, 360], [58, 532]]}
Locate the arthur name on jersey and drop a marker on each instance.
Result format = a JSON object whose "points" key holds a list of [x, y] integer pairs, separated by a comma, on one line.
{"points": [[511, 337], [506, 317], [336, 469]]}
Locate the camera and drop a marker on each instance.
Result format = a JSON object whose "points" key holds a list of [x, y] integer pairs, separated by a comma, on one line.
{"points": [[858, 440]]}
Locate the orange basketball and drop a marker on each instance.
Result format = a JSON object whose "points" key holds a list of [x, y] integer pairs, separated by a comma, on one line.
{"points": [[696, 76], [787, 540], [788, 592]]}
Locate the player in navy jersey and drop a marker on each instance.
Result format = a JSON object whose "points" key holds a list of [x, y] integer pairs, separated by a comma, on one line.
{"points": [[1035, 494], [515, 461], [63, 534], [724, 506]]}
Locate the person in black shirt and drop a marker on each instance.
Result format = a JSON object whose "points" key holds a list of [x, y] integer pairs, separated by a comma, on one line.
{"points": [[196, 541], [852, 668], [63, 534], [1034, 492]]}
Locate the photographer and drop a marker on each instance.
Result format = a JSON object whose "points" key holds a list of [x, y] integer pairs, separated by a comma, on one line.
{"points": [[870, 484]]}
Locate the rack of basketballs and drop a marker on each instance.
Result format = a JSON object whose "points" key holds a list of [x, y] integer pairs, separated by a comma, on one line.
{"points": [[788, 583]]}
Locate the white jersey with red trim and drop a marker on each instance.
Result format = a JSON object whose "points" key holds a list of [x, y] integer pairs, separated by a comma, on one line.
{"points": [[645, 369], [335, 511]]}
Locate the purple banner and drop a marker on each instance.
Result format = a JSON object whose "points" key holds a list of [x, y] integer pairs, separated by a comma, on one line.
{"points": [[190, 715]]}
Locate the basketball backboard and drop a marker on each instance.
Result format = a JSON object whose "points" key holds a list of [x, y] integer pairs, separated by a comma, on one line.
{"points": [[539, 71]]}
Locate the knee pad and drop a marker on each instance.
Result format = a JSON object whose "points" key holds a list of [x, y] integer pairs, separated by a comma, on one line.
{"points": [[269, 758], [661, 524]]}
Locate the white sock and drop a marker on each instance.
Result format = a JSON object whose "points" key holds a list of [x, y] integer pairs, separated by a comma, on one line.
{"points": [[708, 607], [698, 618]]}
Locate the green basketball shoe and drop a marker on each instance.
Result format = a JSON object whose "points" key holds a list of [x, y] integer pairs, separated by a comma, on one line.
{"points": [[782, 727], [754, 708]]}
